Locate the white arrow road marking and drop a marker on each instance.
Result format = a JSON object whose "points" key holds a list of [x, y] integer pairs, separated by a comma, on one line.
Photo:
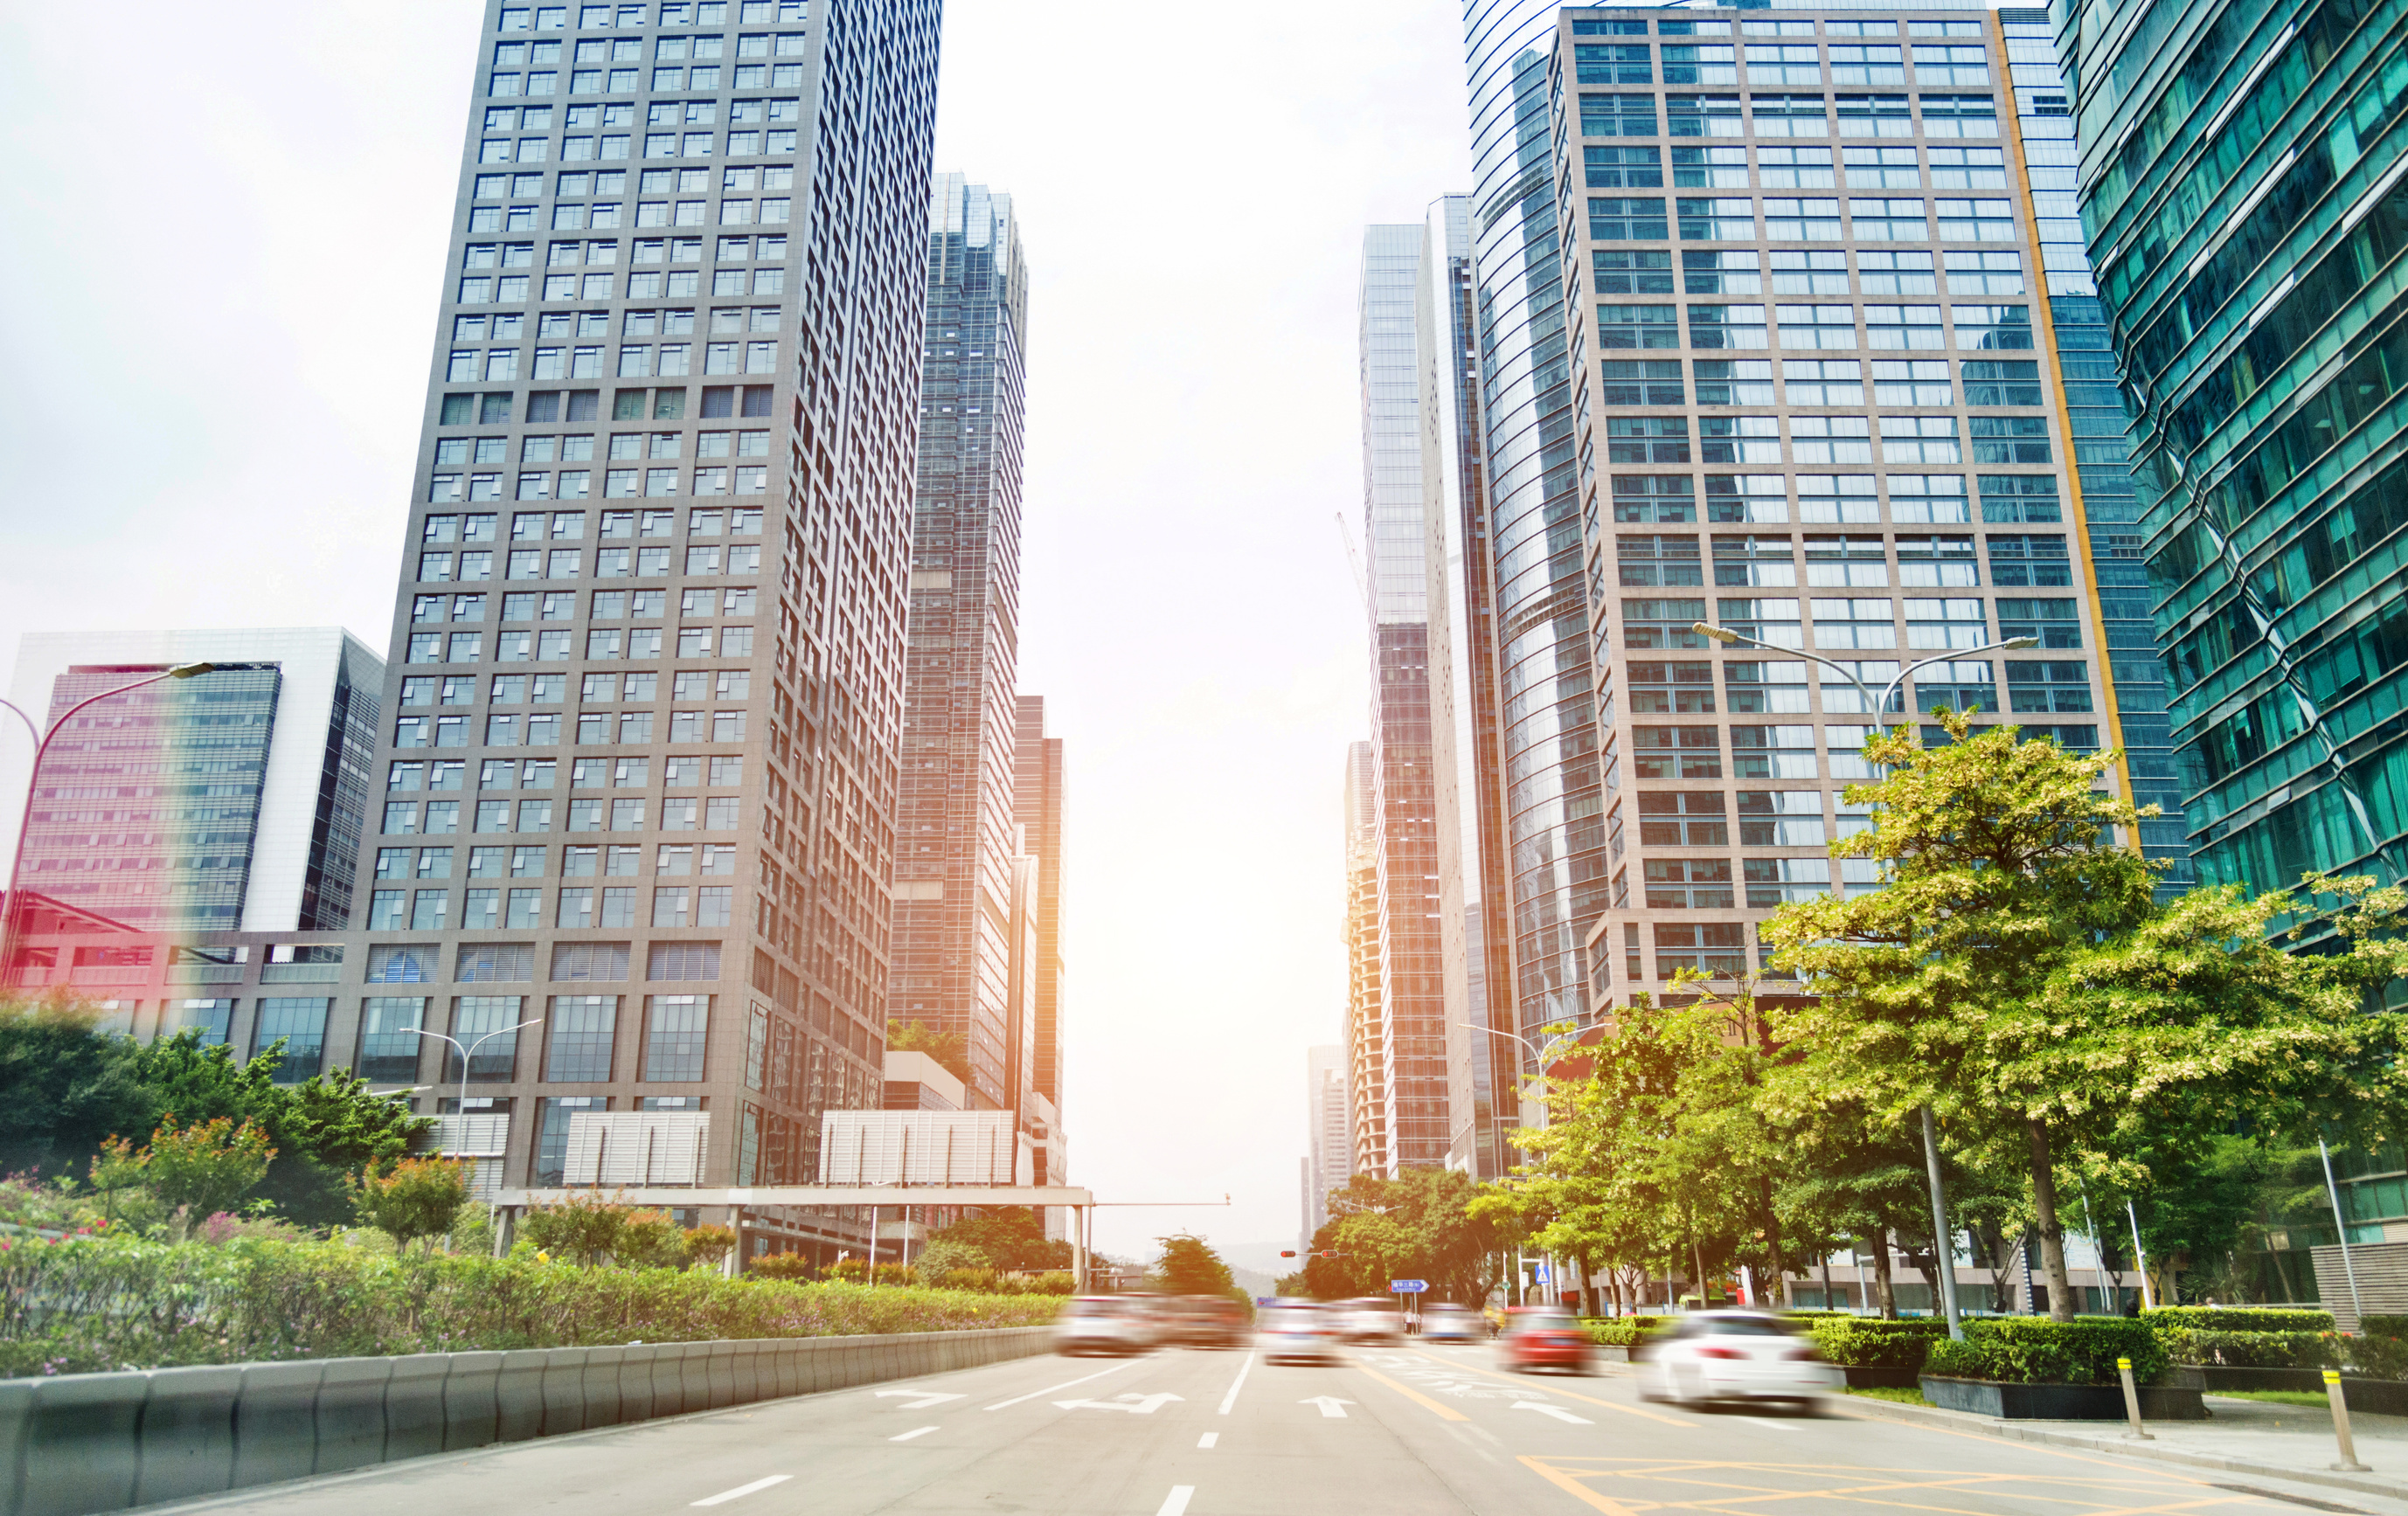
{"points": [[725, 1495], [1558, 1412], [1208, 1439], [1330, 1405], [1067, 1383], [1136, 1405], [917, 1431], [1175, 1503], [921, 1399]]}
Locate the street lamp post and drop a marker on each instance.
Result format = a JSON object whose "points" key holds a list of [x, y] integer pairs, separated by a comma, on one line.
{"points": [[1943, 1260], [468, 1054], [1538, 1056], [9, 910]]}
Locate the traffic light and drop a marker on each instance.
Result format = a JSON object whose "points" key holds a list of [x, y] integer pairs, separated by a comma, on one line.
{"points": [[1287, 1252]]}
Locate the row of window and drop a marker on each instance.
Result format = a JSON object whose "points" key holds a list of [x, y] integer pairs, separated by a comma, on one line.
{"points": [[734, 179], [582, 118], [1822, 271], [1835, 561], [503, 729], [1841, 381], [672, 13], [543, 82], [1816, 328], [1792, 169], [575, 448], [1789, 115], [1705, 885], [667, 403], [1832, 439], [626, 49], [634, 360], [1780, 688], [602, 215], [609, 562], [1797, 63], [618, 146], [1932, 624], [519, 907], [1733, 219], [528, 863], [561, 606], [679, 770], [1776, 28], [684, 249], [1788, 753], [673, 285], [514, 963], [1840, 499], [441, 818]]}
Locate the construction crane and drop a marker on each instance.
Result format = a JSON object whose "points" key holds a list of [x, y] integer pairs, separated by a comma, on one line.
{"points": [[1354, 559]]}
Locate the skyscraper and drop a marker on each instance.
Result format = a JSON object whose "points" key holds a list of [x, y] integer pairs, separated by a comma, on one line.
{"points": [[1420, 904], [2241, 181], [680, 338], [228, 803], [1038, 803], [1366, 1039], [1784, 372], [956, 846], [1329, 1163]]}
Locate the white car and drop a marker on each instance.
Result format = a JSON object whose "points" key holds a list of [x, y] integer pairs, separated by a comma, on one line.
{"points": [[1296, 1329], [1371, 1321], [1738, 1355], [1448, 1322], [1113, 1324]]}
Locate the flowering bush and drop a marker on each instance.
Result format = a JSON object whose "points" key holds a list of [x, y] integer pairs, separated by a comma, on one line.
{"points": [[84, 1304]]}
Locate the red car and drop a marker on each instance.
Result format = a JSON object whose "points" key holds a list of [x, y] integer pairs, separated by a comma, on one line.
{"points": [[1545, 1337]]}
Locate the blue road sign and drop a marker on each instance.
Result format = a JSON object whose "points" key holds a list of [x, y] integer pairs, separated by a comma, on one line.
{"points": [[1407, 1286]]}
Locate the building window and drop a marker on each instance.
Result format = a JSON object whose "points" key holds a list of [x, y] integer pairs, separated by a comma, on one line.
{"points": [[2036, 560], [1617, 115], [1626, 221], [1647, 561], [2019, 498], [1640, 498], [1689, 883], [1647, 381], [1676, 752], [1934, 625], [1682, 818], [676, 1031], [1755, 562], [580, 1038], [2052, 621], [1663, 623], [1854, 623], [388, 1043], [2049, 686]]}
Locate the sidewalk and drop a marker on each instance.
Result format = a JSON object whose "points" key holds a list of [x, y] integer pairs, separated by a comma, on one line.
{"points": [[2244, 1437]]}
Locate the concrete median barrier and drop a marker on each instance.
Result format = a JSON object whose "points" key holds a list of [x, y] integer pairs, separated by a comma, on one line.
{"points": [[81, 1443]]}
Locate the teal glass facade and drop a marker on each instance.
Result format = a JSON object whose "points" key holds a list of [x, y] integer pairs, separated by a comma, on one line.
{"points": [[2241, 189]]}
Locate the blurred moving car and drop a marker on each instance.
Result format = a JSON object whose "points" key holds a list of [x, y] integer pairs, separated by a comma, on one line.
{"points": [[1112, 1323], [1208, 1321], [1296, 1329], [1369, 1319], [1545, 1337], [1449, 1322], [1738, 1355]]}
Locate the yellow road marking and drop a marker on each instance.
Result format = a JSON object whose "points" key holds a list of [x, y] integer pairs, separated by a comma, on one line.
{"points": [[1610, 1405], [1567, 1474], [1445, 1412], [1573, 1487]]}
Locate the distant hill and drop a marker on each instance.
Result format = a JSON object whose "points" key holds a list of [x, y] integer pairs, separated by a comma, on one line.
{"points": [[1259, 1257]]}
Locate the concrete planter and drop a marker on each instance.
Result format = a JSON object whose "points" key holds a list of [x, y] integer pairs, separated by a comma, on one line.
{"points": [[2381, 1397], [2060, 1402]]}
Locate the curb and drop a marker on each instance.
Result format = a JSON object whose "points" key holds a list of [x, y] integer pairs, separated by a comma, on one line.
{"points": [[1870, 1408]]}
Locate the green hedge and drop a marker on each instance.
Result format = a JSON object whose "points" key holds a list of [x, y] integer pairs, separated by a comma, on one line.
{"points": [[1622, 1331], [1865, 1341], [2245, 1319], [2031, 1350], [2254, 1349], [2384, 1326], [2375, 1357], [89, 1304]]}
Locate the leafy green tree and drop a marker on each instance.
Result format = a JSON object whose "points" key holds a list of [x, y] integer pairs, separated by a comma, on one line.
{"points": [[1188, 1266], [705, 1246], [198, 1171], [1010, 1237], [70, 1088], [2016, 975], [580, 1229], [951, 1049], [412, 1198], [1422, 1224], [945, 1256]]}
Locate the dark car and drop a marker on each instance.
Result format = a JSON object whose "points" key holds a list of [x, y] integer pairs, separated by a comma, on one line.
{"points": [[1545, 1337], [1209, 1320]]}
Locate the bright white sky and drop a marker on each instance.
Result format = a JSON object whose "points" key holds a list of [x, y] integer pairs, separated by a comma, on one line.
{"points": [[219, 299]]}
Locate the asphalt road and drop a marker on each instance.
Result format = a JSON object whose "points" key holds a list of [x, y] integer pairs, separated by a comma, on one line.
{"points": [[1405, 1429]]}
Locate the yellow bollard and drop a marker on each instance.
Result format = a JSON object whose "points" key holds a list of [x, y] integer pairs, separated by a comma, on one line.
{"points": [[2349, 1463], [2131, 1400]]}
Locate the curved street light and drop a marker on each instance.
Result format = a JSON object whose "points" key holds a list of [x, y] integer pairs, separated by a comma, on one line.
{"points": [[9, 911], [468, 1053], [1944, 1251]]}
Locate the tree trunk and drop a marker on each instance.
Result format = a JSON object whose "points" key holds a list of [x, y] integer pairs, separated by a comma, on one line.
{"points": [[1877, 1241], [1698, 1262], [2051, 1231], [1827, 1282]]}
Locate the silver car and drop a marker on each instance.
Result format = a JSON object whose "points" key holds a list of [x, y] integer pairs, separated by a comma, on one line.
{"points": [[1738, 1355], [1287, 1330], [1106, 1323], [1449, 1322]]}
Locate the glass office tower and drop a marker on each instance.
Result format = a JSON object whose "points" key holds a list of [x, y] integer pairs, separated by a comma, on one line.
{"points": [[1039, 809], [1785, 364], [2241, 182], [955, 848], [640, 775]]}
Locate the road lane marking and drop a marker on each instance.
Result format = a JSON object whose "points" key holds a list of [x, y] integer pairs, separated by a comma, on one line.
{"points": [[1558, 1412], [1208, 1439], [921, 1399], [725, 1495], [1445, 1412], [1761, 1421], [1066, 1384], [1231, 1398], [915, 1432], [1628, 1410], [1574, 1488], [1330, 1406], [1136, 1405], [1175, 1503]]}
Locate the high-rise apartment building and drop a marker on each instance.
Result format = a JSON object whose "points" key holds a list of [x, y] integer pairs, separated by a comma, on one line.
{"points": [[956, 847], [2241, 179], [1366, 1042], [1769, 348], [1419, 896], [640, 773], [1037, 807], [231, 802], [1329, 1163]]}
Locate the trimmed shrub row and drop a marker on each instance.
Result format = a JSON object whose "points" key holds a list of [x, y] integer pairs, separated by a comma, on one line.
{"points": [[1866, 1342], [2238, 1320], [1623, 1331], [2254, 1350], [2030, 1349]]}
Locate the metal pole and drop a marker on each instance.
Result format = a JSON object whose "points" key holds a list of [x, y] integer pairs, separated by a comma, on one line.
{"points": [[2341, 1229], [1943, 1250], [2340, 1403], [2140, 1256]]}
